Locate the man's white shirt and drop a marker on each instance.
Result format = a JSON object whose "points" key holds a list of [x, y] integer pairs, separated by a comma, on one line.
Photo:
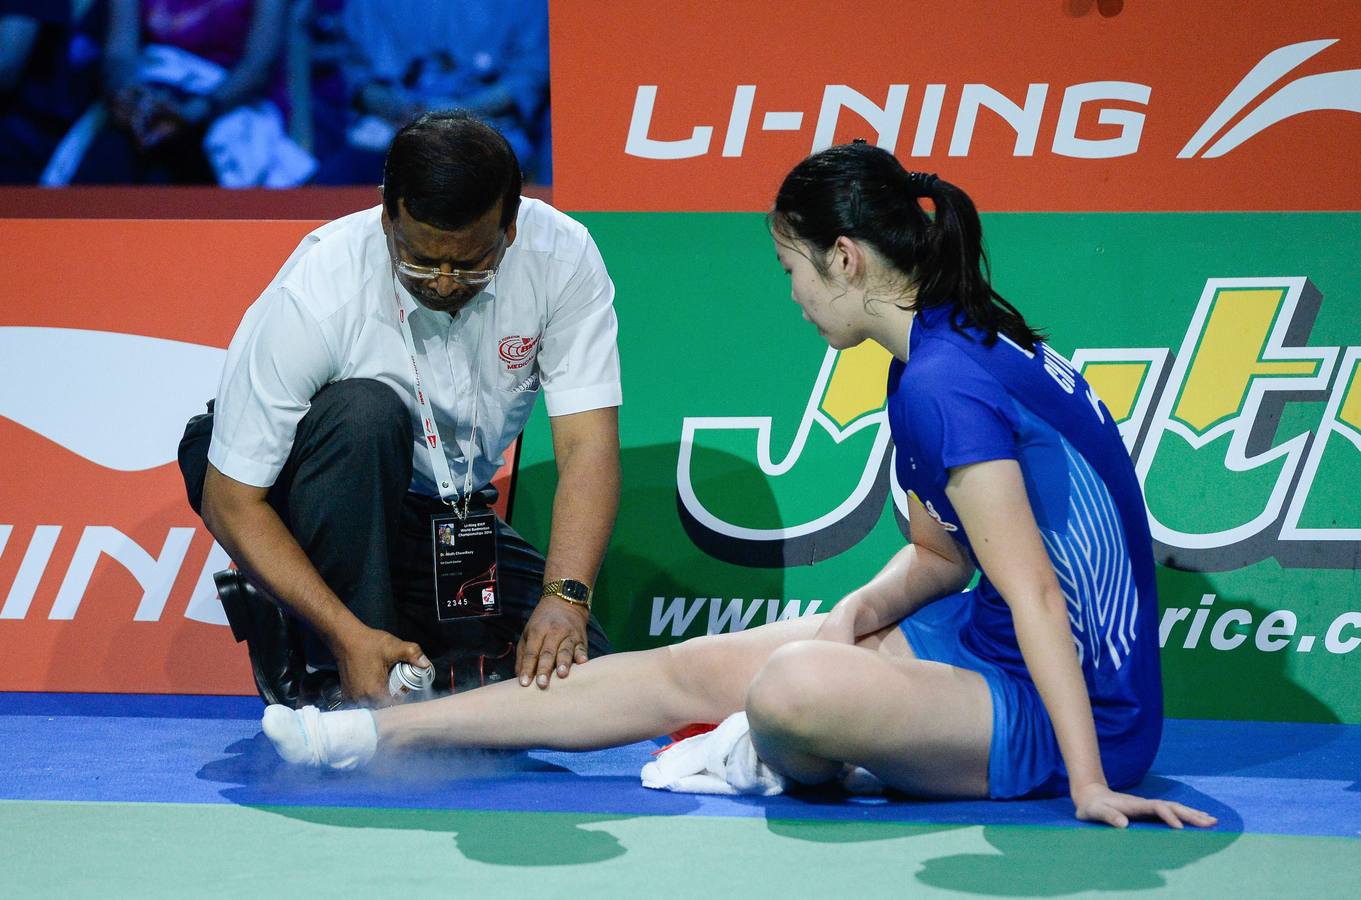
{"points": [[545, 324]]}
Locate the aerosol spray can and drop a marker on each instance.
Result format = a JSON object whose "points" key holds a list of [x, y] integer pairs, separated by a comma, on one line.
{"points": [[408, 682]]}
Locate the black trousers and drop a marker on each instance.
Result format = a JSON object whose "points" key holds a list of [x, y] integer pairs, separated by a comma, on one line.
{"points": [[343, 493]]}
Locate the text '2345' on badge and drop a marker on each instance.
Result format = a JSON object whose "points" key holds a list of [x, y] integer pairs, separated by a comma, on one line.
{"points": [[465, 566]]}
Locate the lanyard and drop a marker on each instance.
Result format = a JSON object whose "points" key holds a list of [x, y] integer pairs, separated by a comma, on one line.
{"points": [[439, 463]]}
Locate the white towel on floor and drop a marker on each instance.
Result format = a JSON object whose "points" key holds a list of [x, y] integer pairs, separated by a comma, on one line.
{"points": [[721, 761]]}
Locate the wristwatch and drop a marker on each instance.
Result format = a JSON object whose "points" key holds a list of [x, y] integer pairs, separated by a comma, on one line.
{"points": [[574, 592]]}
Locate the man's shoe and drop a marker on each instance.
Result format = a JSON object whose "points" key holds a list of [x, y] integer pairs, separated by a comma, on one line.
{"points": [[321, 688], [272, 638], [467, 668]]}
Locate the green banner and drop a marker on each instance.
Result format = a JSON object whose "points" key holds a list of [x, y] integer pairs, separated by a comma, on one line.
{"points": [[756, 461]]}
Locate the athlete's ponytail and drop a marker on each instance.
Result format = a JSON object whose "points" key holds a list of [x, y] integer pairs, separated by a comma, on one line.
{"points": [[863, 192]]}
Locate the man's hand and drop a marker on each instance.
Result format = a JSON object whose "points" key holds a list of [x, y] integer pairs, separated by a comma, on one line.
{"points": [[555, 635], [1098, 803], [365, 657]]}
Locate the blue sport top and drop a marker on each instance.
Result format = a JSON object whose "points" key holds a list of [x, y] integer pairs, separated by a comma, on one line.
{"points": [[958, 401]]}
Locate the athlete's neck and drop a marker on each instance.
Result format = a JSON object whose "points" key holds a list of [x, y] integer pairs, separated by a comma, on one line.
{"points": [[891, 329]]}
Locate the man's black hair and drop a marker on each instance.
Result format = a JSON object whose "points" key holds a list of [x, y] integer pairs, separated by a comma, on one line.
{"points": [[451, 168]]}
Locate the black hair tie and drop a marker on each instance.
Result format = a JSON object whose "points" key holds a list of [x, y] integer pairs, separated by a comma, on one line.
{"points": [[922, 183]]}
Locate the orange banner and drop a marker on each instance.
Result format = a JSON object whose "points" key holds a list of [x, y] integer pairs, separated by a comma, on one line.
{"points": [[1037, 106], [112, 335]]}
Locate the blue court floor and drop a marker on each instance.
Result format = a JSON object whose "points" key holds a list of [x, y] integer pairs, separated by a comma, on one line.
{"points": [[110, 795]]}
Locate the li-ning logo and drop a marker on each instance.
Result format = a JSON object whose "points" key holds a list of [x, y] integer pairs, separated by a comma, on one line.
{"points": [[1244, 438], [515, 350], [1324, 91], [160, 383], [50, 568], [69, 398]]}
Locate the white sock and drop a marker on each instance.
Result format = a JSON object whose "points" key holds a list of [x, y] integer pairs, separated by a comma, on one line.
{"points": [[345, 739]]}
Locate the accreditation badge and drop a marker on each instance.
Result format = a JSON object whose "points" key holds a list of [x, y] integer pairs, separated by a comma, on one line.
{"points": [[465, 566]]}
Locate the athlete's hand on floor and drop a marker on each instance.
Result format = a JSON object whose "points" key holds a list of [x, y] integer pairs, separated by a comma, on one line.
{"points": [[1098, 803], [554, 638], [365, 657]]}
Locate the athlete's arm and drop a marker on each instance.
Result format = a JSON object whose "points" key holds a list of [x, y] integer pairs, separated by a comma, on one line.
{"points": [[586, 447], [932, 566], [991, 500], [252, 533]]}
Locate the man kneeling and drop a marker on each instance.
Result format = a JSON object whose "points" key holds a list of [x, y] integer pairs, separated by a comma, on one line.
{"points": [[368, 398]]}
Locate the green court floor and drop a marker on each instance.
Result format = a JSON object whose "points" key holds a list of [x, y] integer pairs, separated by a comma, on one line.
{"points": [[74, 849]]}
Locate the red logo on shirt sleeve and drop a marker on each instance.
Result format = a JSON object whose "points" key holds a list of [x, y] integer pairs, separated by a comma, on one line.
{"points": [[516, 350]]}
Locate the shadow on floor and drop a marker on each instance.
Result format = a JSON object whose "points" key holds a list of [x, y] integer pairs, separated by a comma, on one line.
{"points": [[411, 791], [493, 837], [1048, 860], [1058, 861]]}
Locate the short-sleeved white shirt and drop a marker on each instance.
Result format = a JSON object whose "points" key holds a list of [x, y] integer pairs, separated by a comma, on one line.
{"points": [[545, 324]]}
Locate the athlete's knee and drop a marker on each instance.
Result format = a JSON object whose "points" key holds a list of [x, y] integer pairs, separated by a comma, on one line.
{"points": [[794, 686]]}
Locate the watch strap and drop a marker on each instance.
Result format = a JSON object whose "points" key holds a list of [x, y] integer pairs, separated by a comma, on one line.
{"points": [[575, 592]]}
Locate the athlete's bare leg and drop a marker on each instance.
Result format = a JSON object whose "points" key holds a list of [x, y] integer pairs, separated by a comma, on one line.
{"points": [[616, 699], [922, 727]]}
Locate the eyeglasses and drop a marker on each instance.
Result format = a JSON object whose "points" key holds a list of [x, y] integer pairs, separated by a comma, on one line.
{"points": [[465, 277]]}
